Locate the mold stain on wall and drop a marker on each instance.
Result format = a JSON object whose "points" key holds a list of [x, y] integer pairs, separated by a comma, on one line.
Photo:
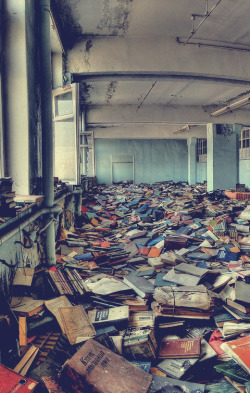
{"points": [[112, 86], [69, 22], [86, 55], [115, 19]]}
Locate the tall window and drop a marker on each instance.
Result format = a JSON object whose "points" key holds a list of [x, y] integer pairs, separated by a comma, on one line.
{"points": [[66, 133], [245, 143], [202, 150], [87, 158]]}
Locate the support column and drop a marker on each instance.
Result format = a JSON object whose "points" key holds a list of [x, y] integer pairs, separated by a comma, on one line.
{"points": [[222, 156], [47, 132], [192, 161], [15, 93]]}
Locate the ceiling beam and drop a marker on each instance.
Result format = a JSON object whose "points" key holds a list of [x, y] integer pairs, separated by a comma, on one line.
{"points": [[115, 56], [120, 115], [149, 77], [144, 131]]}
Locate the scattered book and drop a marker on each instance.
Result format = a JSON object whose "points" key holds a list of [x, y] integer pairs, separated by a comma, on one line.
{"points": [[95, 368], [232, 370], [26, 306], [176, 368], [14, 382], [140, 285], [180, 348], [76, 324], [109, 315], [169, 385], [139, 344], [239, 350]]}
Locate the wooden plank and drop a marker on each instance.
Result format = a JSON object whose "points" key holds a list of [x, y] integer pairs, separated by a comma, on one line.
{"points": [[22, 331]]}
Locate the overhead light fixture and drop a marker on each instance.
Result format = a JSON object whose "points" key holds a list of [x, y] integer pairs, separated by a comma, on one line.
{"points": [[187, 127], [231, 107]]}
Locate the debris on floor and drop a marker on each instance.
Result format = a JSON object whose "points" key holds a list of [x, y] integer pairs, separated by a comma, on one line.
{"points": [[150, 293]]}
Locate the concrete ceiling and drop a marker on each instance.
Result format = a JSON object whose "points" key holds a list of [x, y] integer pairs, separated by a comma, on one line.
{"points": [[134, 51], [229, 22]]}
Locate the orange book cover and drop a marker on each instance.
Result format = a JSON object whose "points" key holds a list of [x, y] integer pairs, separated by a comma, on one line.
{"points": [[154, 252], [239, 350]]}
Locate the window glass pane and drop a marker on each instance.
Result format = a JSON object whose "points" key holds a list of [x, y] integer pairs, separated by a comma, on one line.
{"points": [[65, 151], [64, 104]]}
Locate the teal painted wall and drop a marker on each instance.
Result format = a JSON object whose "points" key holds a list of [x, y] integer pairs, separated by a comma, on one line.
{"points": [[155, 160], [201, 172], [244, 172]]}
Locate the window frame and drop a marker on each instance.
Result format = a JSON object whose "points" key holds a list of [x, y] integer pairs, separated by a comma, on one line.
{"points": [[244, 144], [89, 145], [74, 89], [201, 150]]}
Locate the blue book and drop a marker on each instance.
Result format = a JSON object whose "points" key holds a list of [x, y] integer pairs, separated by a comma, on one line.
{"points": [[144, 207], [83, 256], [183, 230], [159, 282], [155, 241], [145, 366], [199, 255], [227, 256]]}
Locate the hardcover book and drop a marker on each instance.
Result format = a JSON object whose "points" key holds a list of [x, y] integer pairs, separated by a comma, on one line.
{"points": [[176, 368], [184, 297], [13, 382], [139, 344], [232, 370], [54, 306], [180, 348], [76, 324], [169, 385], [96, 369], [239, 350], [140, 285], [26, 306], [107, 315]]}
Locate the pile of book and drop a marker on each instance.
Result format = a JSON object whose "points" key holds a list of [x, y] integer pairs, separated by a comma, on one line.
{"points": [[7, 203], [150, 294]]}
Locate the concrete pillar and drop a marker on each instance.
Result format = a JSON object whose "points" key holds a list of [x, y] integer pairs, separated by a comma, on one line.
{"points": [[222, 156], [15, 88], [192, 161]]}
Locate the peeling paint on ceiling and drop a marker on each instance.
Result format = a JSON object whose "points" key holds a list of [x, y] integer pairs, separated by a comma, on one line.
{"points": [[115, 19], [111, 91], [68, 19]]}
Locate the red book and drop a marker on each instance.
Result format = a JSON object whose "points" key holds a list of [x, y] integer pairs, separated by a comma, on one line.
{"points": [[216, 341], [13, 382], [180, 348], [239, 350]]}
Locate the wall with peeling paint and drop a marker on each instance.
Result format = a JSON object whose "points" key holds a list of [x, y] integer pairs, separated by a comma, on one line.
{"points": [[155, 160], [19, 251]]}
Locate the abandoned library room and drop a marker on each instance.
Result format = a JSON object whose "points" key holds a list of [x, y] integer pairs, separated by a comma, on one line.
{"points": [[124, 196]]}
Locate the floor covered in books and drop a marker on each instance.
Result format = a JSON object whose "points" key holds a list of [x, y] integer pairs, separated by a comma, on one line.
{"points": [[150, 294]]}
